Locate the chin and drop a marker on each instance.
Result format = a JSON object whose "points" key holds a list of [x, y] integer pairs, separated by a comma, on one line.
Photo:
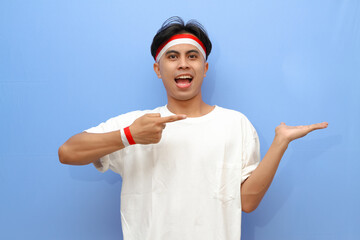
{"points": [[183, 97]]}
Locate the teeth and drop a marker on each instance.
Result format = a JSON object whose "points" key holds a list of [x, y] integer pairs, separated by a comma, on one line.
{"points": [[183, 77]]}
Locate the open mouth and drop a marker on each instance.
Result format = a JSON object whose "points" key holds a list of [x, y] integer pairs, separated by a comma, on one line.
{"points": [[183, 81]]}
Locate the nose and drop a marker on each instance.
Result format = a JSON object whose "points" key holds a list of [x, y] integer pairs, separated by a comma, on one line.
{"points": [[183, 63]]}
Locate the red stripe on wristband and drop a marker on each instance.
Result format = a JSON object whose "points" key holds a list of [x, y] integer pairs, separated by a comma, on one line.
{"points": [[129, 136]]}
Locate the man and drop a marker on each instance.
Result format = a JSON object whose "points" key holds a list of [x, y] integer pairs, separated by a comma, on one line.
{"points": [[188, 168]]}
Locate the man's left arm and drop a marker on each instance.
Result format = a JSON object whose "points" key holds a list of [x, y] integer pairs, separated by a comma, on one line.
{"points": [[256, 185]]}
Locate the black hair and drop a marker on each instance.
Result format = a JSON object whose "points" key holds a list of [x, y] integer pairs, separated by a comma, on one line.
{"points": [[175, 25]]}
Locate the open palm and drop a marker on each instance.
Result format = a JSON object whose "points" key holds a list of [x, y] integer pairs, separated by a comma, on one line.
{"points": [[291, 133]]}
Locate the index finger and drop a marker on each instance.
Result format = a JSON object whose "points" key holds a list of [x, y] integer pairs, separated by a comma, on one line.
{"points": [[172, 118]]}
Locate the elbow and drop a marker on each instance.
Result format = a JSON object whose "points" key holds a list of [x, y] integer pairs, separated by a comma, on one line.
{"points": [[249, 205], [64, 156], [67, 155], [248, 209]]}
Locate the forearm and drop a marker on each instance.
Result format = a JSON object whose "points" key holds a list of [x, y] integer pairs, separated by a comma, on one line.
{"points": [[255, 187], [85, 148]]}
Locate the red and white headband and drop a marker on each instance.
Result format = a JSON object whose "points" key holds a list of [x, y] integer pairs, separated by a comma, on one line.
{"points": [[180, 39]]}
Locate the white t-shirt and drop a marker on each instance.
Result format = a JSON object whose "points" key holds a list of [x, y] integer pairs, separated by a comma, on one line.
{"points": [[187, 186]]}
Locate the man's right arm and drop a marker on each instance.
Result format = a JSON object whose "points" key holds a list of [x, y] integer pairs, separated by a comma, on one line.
{"points": [[85, 148]]}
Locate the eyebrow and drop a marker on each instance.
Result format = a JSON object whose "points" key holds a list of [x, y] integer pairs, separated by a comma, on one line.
{"points": [[172, 51], [193, 51]]}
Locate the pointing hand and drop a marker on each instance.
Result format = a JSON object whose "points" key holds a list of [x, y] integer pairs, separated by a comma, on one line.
{"points": [[148, 129]]}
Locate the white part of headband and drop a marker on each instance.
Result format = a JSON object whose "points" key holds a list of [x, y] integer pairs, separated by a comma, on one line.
{"points": [[180, 41]]}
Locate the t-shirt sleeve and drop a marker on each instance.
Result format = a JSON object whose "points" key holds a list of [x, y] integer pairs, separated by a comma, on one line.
{"points": [[251, 153]]}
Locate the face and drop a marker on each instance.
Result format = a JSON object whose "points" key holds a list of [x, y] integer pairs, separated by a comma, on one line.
{"points": [[182, 69]]}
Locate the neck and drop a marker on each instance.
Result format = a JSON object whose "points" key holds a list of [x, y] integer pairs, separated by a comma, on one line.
{"points": [[194, 107]]}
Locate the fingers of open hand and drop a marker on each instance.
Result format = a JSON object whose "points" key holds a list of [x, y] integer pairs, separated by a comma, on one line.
{"points": [[316, 126], [308, 128]]}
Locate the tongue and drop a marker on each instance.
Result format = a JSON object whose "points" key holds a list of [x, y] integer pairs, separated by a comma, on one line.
{"points": [[183, 83]]}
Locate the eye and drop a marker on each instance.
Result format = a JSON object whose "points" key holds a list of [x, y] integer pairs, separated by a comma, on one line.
{"points": [[172, 56], [192, 56]]}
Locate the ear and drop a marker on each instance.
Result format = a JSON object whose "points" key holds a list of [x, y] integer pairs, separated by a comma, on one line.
{"points": [[157, 69], [206, 68]]}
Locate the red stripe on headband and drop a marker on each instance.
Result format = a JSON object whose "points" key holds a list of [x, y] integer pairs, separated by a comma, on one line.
{"points": [[178, 36]]}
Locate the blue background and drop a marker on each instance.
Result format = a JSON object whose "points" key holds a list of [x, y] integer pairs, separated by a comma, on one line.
{"points": [[66, 66]]}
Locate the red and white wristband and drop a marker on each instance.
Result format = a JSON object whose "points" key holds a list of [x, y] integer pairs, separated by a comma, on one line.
{"points": [[126, 137]]}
